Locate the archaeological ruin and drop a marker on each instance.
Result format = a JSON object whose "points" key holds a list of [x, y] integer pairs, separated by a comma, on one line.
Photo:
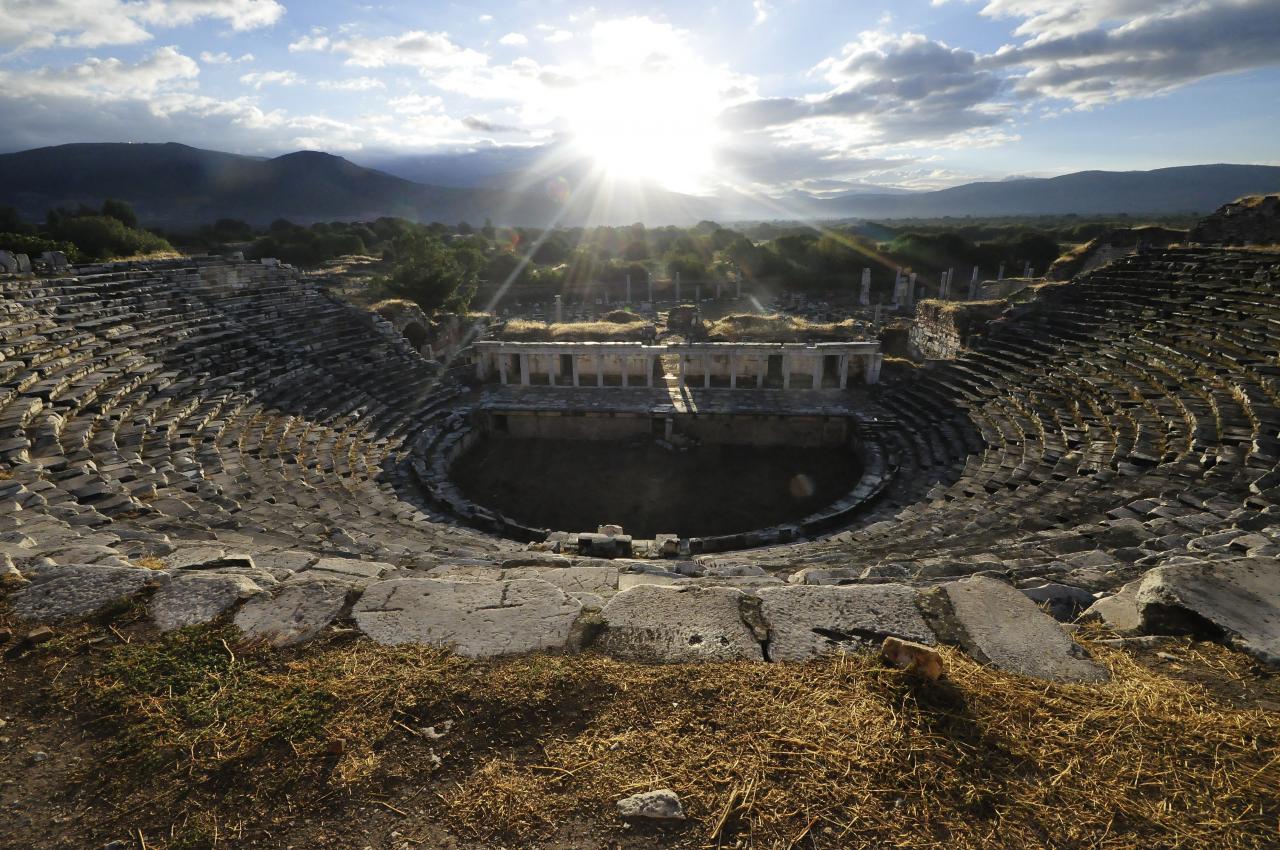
{"points": [[220, 439]]}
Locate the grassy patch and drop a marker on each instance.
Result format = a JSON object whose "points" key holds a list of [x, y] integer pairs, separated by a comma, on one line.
{"points": [[522, 330], [749, 327], [837, 754]]}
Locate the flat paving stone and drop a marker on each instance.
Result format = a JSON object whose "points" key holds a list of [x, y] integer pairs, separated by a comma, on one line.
{"points": [[998, 625], [677, 624], [473, 618], [1241, 598], [295, 612], [190, 599], [807, 621], [80, 590]]}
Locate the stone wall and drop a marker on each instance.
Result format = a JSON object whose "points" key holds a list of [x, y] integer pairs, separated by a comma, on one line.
{"points": [[1254, 220], [943, 328]]}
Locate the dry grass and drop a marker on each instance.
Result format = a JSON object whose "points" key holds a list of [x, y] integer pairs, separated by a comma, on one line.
{"points": [[838, 754], [749, 327], [522, 330]]}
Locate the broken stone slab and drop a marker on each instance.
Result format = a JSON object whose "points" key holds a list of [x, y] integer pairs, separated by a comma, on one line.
{"points": [[347, 568], [1236, 601], [1118, 612], [675, 624], [189, 599], [81, 590], [660, 805], [825, 575], [626, 581], [808, 621], [998, 625], [294, 612], [191, 557], [475, 619], [602, 581], [1062, 601]]}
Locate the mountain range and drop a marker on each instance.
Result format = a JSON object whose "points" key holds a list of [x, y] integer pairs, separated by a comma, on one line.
{"points": [[172, 185]]}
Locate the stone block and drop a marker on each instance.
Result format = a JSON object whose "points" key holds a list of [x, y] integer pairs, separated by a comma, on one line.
{"points": [[808, 621], [475, 619], [998, 625], [676, 624], [189, 599]]}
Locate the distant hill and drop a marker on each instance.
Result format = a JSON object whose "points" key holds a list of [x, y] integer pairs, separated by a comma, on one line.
{"points": [[1191, 188], [173, 185]]}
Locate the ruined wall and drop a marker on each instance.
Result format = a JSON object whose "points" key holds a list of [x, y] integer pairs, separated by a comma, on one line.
{"points": [[1254, 220], [942, 329]]}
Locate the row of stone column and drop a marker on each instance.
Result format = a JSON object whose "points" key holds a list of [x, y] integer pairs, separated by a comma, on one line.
{"points": [[761, 374], [599, 363]]}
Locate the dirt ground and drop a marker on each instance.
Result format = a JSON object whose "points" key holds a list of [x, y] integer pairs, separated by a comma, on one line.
{"points": [[114, 737]]}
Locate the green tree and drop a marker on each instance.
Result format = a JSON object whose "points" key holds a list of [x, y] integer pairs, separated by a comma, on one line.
{"points": [[426, 271]]}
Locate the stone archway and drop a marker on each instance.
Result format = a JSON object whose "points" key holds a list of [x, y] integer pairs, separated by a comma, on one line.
{"points": [[409, 319]]}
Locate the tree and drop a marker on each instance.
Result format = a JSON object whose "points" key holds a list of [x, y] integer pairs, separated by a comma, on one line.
{"points": [[426, 271], [120, 211]]}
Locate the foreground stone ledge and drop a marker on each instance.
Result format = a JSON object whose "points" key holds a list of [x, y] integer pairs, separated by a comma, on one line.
{"points": [[806, 621], [295, 612], [191, 600], [81, 590], [677, 624], [1240, 597], [998, 625], [475, 619]]}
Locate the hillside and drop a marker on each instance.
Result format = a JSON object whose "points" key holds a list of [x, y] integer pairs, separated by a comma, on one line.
{"points": [[173, 185]]}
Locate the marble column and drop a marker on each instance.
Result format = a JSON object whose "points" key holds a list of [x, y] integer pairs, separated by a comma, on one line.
{"points": [[819, 365], [575, 370], [733, 370], [786, 371], [680, 372], [844, 371], [599, 370], [706, 371], [502, 368], [648, 371], [626, 368], [524, 369]]}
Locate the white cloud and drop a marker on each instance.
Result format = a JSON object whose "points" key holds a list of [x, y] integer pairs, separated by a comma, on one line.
{"points": [[415, 104], [104, 79], [558, 37], [762, 10], [35, 24], [513, 39], [425, 50], [258, 79], [353, 84], [317, 40], [485, 19], [224, 58], [1107, 50]]}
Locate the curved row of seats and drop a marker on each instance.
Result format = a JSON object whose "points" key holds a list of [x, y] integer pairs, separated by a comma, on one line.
{"points": [[1147, 391], [207, 400]]}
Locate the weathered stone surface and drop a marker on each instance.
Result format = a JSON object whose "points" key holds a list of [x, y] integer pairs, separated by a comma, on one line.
{"points": [[602, 581], [660, 805], [476, 619], [1239, 598], [626, 581], [347, 568], [81, 590], [1118, 612], [998, 625], [806, 621], [1062, 601], [672, 624], [189, 599], [294, 612]]}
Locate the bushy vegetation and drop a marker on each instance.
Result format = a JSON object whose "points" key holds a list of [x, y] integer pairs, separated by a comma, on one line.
{"points": [[83, 233]]}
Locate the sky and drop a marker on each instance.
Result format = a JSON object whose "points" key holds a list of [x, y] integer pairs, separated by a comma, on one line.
{"points": [[762, 96]]}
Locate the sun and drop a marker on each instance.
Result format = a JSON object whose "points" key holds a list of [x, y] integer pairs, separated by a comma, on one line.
{"points": [[647, 126]]}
